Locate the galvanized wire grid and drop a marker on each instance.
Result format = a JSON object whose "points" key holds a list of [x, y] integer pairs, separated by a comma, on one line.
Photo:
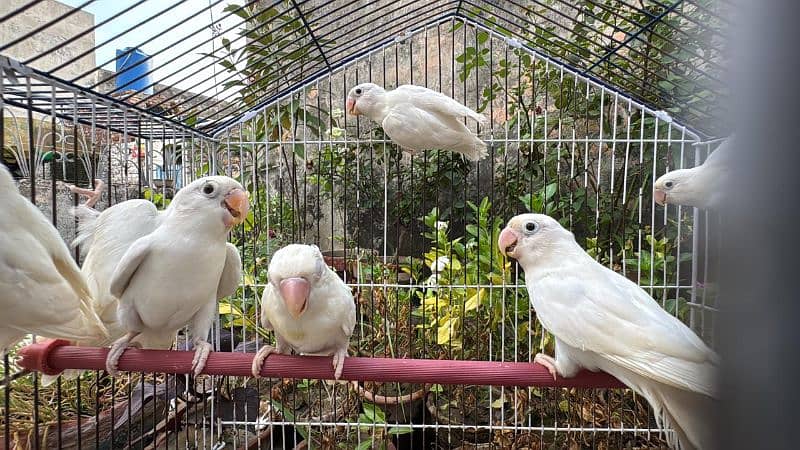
{"points": [[683, 38], [321, 177]]}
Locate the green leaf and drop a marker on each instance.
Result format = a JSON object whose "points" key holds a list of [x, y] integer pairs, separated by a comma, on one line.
{"points": [[400, 430], [373, 413], [364, 445]]}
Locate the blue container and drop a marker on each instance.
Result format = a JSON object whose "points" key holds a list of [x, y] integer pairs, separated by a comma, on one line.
{"points": [[127, 58]]}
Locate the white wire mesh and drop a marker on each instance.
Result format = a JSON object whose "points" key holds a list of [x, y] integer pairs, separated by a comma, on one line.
{"points": [[559, 144]]}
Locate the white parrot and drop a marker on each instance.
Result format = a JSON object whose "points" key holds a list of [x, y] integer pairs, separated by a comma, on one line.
{"points": [[417, 118], [310, 308], [153, 272], [603, 321], [42, 290], [699, 186]]}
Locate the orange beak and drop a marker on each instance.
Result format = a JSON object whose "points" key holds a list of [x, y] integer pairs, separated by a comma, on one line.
{"points": [[237, 202], [660, 197], [351, 107], [295, 295], [507, 241]]}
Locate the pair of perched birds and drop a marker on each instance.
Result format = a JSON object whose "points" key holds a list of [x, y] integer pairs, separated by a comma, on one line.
{"points": [[149, 273]]}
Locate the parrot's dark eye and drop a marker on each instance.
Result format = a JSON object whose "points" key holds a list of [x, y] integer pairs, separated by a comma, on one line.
{"points": [[530, 227], [208, 189], [358, 91], [668, 184]]}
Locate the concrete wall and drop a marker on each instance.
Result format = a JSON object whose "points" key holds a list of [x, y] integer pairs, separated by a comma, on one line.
{"points": [[50, 37]]}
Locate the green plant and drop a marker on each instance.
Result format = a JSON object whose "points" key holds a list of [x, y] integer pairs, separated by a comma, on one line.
{"points": [[471, 290], [372, 419], [261, 234]]}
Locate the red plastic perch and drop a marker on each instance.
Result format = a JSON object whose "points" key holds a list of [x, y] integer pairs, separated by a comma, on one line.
{"points": [[52, 357]]}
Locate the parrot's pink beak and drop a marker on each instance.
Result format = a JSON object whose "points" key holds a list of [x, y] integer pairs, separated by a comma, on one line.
{"points": [[295, 294], [237, 202], [660, 197], [351, 107], [508, 241]]}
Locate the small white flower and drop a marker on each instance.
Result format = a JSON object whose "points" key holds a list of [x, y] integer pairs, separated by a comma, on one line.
{"points": [[337, 113], [432, 281], [441, 225], [440, 264]]}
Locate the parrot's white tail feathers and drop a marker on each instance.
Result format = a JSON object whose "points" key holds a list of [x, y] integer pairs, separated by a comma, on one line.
{"points": [[87, 223], [687, 413], [475, 149], [480, 118], [95, 323]]}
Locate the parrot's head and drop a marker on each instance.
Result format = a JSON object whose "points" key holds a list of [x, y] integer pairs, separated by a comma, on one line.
{"points": [[293, 271], [223, 195], [364, 99], [528, 237], [675, 188]]}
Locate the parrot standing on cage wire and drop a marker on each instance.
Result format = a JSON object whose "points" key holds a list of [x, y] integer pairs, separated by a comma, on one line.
{"points": [[417, 118], [153, 272], [603, 321], [699, 186], [309, 307], [42, 290]]}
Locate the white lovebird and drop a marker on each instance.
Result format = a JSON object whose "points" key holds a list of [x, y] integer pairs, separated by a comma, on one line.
{"points": [[153, 272], [603, 321], [310, 308], [699, 186], [42, 290], [417, 118]]}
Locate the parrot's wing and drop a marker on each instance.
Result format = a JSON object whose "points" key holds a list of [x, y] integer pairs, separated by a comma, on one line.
{"points": [[111, 234], [602, 312], [36, 298], [267, 300], [435, 102], [64, 264], [231, 273], [128, 265], [418, 129]]}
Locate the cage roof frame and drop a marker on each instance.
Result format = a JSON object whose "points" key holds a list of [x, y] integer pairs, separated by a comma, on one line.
{"points": [[606, 54], [694, 134]]}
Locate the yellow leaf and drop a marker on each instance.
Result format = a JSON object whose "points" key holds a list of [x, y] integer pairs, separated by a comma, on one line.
{"points": [[227, 308], [447, 330], [249, 280], [430, 303], [475, 300], [495, 278]]}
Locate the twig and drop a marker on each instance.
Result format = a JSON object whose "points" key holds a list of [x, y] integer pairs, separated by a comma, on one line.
{"points": [[389, 400]]}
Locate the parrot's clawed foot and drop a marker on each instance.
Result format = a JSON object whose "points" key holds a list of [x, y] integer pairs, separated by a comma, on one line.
{"points": [[338, 363], [117, 349], [258, 360], [201, 351], [92, 196], [548, 361]]}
